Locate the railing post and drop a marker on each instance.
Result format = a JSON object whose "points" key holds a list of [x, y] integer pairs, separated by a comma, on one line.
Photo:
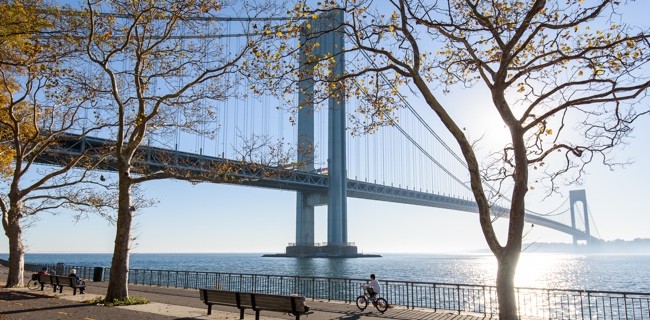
{"points": [[329, 290], [297, 285], [313, 288], [435, 302], [582, 308], [408, 296], [458, 297]]}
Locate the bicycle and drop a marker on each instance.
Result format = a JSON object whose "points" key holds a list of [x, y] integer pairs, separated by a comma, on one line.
{"points": [[34, 283], [362, 301]]}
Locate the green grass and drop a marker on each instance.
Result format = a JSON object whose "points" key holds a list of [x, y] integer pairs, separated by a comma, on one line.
{"points": [[116, 303]]}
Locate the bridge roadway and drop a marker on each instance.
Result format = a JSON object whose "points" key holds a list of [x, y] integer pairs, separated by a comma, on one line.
{"points": [[151, 159], [172, 303]]}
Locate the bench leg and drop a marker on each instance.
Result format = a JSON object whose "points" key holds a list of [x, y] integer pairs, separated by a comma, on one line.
{"points": [[60, 289], [74, 291], [209, 309], [257, 315], [297, 316], [241, 313]]}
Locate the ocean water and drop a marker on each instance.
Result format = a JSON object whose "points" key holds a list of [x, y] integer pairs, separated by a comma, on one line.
{"points": [[630, 273]]}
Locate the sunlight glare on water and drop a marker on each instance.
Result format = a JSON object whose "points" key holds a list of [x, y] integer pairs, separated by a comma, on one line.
{"points": [[542, 270]]}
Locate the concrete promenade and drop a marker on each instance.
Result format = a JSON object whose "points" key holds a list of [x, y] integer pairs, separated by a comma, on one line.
{"points": [[172, 303]]}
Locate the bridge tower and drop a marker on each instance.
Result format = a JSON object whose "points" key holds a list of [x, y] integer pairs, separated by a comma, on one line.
{"points": [[574, 197], [323, 40]]}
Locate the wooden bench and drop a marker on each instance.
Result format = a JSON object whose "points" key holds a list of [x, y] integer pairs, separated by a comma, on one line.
{"points": [[44, 279], [65, 281], [238, 300], [294, 305]]}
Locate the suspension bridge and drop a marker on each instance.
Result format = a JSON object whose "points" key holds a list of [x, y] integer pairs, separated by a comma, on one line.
{"points": [[406, 162]]}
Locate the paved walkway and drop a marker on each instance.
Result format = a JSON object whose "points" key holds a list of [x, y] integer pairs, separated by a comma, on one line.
{"points": [[172, 303]]}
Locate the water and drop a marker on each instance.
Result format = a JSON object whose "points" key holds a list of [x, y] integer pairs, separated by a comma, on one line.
{"points": [[562, 271]]}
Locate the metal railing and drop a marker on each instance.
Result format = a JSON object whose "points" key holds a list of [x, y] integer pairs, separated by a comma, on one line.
{"points": [[479, 299]]}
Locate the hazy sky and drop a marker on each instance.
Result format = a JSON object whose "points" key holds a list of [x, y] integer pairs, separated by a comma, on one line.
{"points": [[227, 218]]}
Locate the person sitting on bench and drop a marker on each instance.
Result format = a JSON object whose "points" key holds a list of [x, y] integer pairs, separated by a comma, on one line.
{"points": [[73, 274]]}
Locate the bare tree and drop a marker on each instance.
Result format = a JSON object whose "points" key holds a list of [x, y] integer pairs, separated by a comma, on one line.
{"points": [[159, 68], [553, 69], [40, 122]]}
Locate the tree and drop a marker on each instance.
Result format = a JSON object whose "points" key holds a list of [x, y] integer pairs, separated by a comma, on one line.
{"points": [[40, 109], [553, 69], [159, 68]]}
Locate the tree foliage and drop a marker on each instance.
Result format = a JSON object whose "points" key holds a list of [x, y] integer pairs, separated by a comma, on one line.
{"points": [[40, 113]]}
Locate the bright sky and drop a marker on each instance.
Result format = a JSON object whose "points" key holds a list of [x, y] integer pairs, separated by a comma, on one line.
{"points": [[227, 218]]}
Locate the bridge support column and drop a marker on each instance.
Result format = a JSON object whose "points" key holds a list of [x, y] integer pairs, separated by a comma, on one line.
{"points": [[337, 206], [304, 221], [304, 210], [574, 197], [324, 40]]}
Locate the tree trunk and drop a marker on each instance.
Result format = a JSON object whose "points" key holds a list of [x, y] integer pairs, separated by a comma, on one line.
{"points": [[118, 284], [15, 277], [507, 266]]}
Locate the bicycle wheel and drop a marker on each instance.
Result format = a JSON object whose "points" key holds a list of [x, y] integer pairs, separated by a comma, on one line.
{"points": [[381, 305], [33, 284], [362, 302]]}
